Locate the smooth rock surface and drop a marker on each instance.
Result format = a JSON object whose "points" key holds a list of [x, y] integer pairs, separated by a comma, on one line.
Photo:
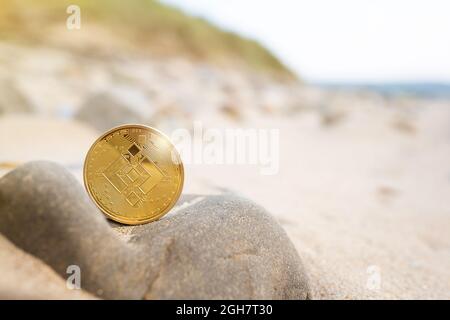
{"points": [[222, 247], [214, 247]]}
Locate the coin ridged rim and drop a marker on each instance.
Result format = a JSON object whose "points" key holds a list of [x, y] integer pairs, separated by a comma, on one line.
{"points": [[119, 218]]}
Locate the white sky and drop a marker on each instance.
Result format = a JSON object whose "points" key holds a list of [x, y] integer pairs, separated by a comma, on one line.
{"points": [[343, 40]]}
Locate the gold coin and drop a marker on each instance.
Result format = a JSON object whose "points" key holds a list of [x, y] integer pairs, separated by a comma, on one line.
{"points": [[134, 174]]}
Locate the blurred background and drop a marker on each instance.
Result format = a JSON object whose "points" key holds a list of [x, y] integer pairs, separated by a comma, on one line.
{"points": [[359, 91]]}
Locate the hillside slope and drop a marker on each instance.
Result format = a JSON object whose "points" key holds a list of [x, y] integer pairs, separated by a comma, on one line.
{"points": [[145, 25]]}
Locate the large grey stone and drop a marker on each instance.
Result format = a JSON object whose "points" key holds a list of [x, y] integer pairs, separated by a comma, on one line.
{"points": [[222, 247], [216, 247], [104, 111]]}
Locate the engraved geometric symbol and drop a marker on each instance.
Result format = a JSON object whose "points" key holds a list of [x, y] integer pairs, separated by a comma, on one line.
{"points": [[133, 150], [133, 175], [132, 198]]}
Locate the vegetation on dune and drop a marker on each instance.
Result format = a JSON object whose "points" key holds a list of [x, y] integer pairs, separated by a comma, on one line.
{"points": [[160, 28]]}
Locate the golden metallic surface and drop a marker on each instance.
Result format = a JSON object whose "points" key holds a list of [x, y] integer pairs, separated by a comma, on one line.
{"points": [[134, 174]]}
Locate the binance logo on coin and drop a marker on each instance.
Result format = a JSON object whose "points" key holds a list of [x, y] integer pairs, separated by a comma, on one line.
{"points": [[134, 174]]}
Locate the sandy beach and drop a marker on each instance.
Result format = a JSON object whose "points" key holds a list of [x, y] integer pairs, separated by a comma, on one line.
{"points": [[358, 197], [360, 180]]}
